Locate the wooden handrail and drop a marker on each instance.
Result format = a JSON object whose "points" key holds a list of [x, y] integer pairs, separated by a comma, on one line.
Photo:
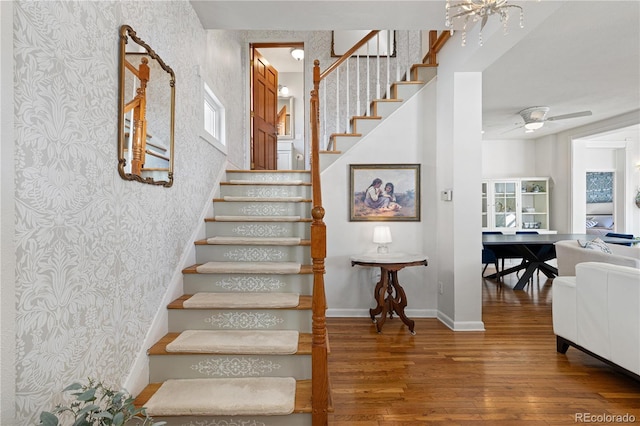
{"points": [[347, 54], [319, 348], [436, 43]]}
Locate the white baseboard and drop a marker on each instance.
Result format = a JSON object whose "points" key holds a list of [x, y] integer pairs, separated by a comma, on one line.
{"points": [[460, 325]]}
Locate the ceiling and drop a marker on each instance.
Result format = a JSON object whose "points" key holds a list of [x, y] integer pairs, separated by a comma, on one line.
{"points": [[281, 59], [585, 55]]}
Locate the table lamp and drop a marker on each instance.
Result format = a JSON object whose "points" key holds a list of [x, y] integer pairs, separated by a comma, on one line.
{"points": [[382, 237]]}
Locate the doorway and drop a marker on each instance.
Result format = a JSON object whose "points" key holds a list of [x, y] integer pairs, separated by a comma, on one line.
{"points": [[277, 108]]}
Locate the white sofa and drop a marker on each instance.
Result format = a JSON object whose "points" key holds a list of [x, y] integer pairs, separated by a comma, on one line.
{"points": [[569, 253], [598, 312]]}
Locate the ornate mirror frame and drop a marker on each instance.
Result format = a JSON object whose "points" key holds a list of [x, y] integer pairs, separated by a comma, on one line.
{"points": [[145, 122]]}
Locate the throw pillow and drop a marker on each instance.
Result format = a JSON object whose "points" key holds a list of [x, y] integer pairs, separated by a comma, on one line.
{"points": [[591, 223], [599, 245]]}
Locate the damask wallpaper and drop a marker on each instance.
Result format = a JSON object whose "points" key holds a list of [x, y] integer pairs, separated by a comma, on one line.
{"points": [[94, 253], [599, 187]]}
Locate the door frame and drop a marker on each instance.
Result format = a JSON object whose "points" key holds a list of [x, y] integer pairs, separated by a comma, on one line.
{"points": [[264, 45]]}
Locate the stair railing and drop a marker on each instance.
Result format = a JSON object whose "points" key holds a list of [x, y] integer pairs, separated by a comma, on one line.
{"points": [[365, 73], [319, 350]]}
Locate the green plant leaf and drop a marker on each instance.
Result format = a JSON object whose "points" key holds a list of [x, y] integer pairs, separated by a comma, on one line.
{"points": [[88, 395], [73, 386], [81, 421], [118, 419], [48, 419], [87, 409], [104, 415]]}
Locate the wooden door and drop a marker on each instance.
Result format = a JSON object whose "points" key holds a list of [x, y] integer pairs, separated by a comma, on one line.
{"points": [[264, 115]]}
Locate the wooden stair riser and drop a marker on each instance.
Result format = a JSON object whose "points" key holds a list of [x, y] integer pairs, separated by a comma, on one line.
{"points": [[229, 283], [327, 159], [257, 190], [199, 366], [364, 125], [268, 176], [259, 229], [241, 319], [290, 420], [384, 108], [405, 90], [261, 208], [424, 73], [344, 143], [252, 253]]}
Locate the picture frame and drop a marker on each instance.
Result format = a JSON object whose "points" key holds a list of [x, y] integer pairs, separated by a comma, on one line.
{"points": [[401, 204], [343, 40]]}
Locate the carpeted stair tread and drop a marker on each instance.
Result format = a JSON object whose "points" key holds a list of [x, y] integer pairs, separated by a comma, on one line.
{"points": [[250, 342], [302, 398], [193, 269], [246, 199], [160, 348], [266, 396], [295, 182], [249, 268], [241, 301], [270, 241], [223, 218], [304, 302]]}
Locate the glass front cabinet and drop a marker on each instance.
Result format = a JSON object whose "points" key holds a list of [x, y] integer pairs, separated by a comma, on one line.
{"points": [[515, 204]]}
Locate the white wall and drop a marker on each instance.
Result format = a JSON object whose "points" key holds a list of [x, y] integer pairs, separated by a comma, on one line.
{"points": [[7, 218], [350, 289], [553, 156], [557, 158], [508, 158]]}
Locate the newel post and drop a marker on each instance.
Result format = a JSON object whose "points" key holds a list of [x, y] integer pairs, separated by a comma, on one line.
{"points": [[320, 373]]}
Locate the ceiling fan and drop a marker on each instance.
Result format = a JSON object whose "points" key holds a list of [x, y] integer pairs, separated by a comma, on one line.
{"points": [[535, 117]]}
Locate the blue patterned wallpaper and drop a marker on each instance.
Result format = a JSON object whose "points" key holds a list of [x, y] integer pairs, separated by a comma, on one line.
{"points": [[599, 187]]}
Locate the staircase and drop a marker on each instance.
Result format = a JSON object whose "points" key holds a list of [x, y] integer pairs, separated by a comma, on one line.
{"points": [[239, 346], [379, 110]]}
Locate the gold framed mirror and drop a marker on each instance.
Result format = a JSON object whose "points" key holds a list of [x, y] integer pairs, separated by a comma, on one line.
{"points": [[146, 113]]}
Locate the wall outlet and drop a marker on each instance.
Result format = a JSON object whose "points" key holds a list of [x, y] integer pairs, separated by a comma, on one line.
{"points": [[440, 287]]}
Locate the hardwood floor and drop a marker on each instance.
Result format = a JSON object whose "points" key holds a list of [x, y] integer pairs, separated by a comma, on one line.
{"points": [[509, 374]]}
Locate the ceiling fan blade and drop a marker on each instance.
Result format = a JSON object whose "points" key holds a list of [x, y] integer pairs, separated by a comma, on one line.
{"points": [[512, 129], [572, 115]]}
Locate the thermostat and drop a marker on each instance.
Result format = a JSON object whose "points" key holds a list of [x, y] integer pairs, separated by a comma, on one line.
{"points": [[446, 195]]}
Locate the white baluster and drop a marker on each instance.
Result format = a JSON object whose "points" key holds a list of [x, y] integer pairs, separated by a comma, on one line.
{"points": [[397, 58], [388, 63], [378, 66], [338, 100], [368, 80], [324, 114], [408, 58], [348, 90], [357, 84]]}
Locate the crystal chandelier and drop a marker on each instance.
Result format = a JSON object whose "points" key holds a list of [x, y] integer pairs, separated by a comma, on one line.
{"points": [[475, 10]]}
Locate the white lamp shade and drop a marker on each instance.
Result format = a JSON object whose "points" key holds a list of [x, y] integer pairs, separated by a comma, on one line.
{"points": [[381, 235]]}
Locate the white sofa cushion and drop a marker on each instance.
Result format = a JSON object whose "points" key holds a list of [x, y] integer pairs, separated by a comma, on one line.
{"points": [[599, 310], [569, 253], [563, 308]]}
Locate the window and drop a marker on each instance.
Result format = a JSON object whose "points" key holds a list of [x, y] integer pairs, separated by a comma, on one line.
{"points": [[213, 117]]}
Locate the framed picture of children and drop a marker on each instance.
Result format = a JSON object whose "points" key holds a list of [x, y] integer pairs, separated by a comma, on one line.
{"points": [[381, 192]]}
